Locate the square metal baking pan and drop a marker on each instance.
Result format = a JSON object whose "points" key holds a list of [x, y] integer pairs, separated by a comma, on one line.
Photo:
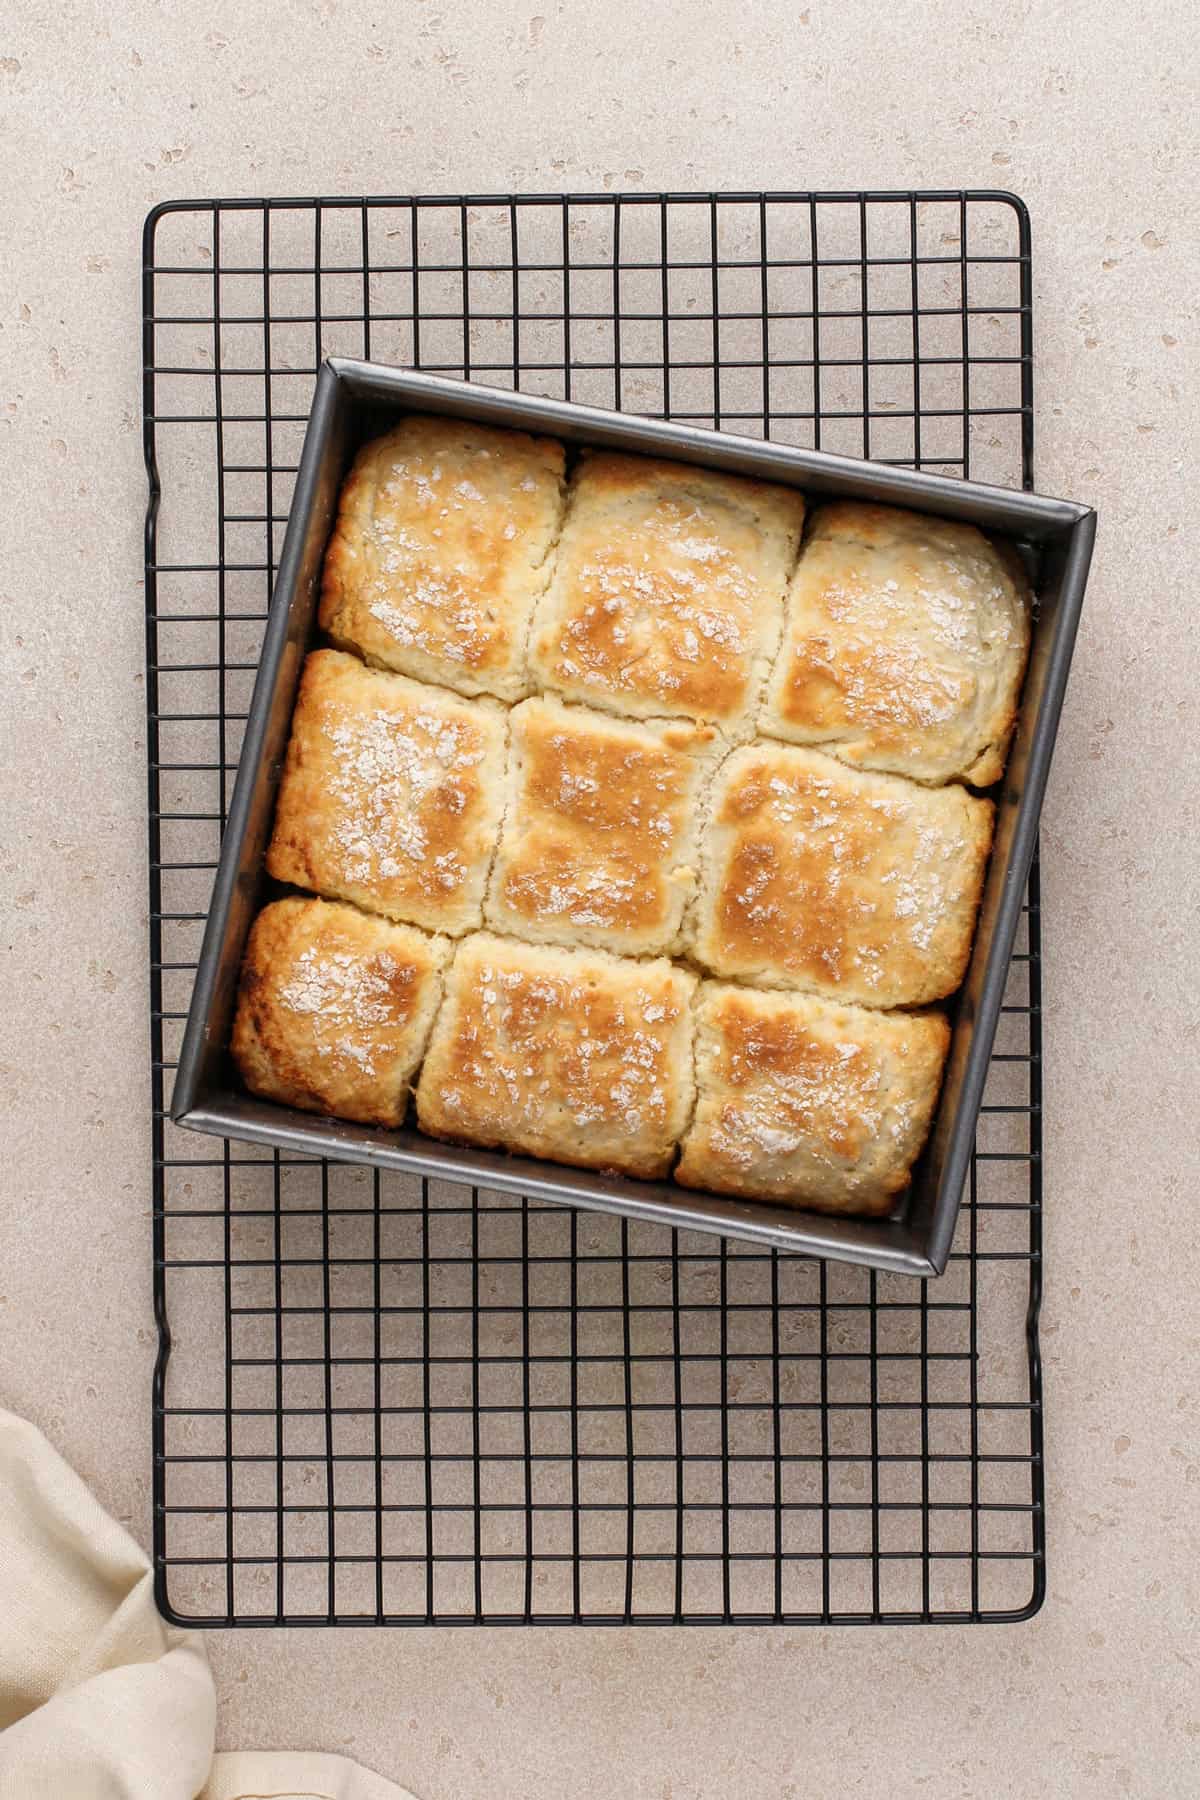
{"points": [[353, 401]]}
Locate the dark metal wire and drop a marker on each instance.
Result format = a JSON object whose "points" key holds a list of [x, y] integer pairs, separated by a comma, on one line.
{"points": [[384, 1400]]}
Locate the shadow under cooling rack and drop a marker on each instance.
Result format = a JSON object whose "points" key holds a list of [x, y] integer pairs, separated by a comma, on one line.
{"points": [[379, 1399]]}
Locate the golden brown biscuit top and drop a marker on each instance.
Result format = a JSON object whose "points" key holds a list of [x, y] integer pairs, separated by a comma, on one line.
{"points": [[330, 994], [535, 1028], [896, 620], [880, 527], [837, 877], [389, 775], [598, 817], [664, 577], [801, 1080], [402, 776], [442, 522], [820, 1092], [345, 997]]}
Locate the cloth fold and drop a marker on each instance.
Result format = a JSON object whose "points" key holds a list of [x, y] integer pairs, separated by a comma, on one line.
{"points": [[100, 1699]]}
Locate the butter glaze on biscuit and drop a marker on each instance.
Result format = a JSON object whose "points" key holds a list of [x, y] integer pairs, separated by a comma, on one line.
{"points": [[391, 794], [904, 647], [574, 1055], [599, 843], [667, 597], [335, 1008], [809, 1103], [443, 543], [858, 886]]}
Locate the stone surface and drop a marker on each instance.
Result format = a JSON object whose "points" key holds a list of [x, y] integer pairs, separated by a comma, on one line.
{"points": [[1090, 116]]}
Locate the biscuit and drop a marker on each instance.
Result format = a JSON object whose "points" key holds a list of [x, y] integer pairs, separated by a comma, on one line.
{"points": [[391, 794], [573, 1055], [904, 647], [599, 839], [807, 1103], [334, 1009], [667, 596], [442, 545], [857, 886]]}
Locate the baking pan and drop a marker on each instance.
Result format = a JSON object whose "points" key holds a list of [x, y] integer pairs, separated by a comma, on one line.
{"points": [[353, 401]]}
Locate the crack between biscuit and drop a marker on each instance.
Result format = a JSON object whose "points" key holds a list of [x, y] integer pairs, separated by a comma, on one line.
{"points": [[511, 770], [768, 661], [695, 1000], [548, 563]]}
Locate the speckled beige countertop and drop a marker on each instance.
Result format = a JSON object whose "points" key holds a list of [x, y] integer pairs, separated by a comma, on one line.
{"points": [[1091, 115]]}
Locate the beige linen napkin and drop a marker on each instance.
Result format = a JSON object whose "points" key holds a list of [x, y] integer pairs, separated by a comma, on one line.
{"points": [[99, 1698]]}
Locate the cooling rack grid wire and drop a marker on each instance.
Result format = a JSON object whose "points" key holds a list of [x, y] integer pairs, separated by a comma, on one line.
{"points": [[386, 1400]]}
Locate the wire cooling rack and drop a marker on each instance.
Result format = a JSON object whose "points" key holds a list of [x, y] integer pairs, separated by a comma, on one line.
{"points": [[385, 1400]]}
